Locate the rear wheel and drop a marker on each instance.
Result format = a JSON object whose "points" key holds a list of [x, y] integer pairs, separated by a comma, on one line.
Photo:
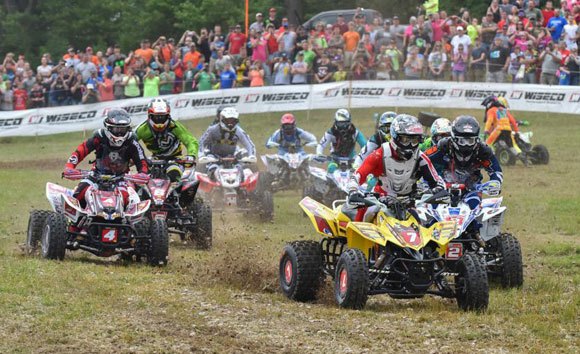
{"points": [[53, 241], [351, 282], [542, 154], [471, 285], [202, 233], [505, 156], [158, 244], [300, 270], [36, 222]]}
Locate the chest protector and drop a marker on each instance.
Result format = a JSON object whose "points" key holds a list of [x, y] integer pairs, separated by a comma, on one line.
{"points": [[345, 141], [112, 159], [166, 142], [399, 176]]}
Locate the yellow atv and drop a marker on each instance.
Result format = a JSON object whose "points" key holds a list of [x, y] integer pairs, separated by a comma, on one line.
{"points": [[393, 255]]}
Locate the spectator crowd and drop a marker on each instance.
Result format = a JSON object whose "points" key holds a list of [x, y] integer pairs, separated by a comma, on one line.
{"points": [[515, 41]]}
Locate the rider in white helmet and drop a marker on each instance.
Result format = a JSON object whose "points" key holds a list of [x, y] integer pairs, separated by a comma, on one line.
{"points": [[441, 128], [342, 137], [223, 139]]}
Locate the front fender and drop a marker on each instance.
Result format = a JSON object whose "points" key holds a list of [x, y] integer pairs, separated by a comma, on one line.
{"points": [[138, 209], [323, 218]]}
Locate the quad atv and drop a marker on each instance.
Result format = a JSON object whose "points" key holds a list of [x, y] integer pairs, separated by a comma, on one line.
{"points": [[286, 171], [104, 227], [235, 187], [176, 203], [530, 154], [328, 186], [480, 231], [393, 255]]}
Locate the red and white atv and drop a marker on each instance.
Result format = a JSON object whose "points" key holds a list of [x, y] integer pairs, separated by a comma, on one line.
{"points": [[104, 227], [236, 187]]}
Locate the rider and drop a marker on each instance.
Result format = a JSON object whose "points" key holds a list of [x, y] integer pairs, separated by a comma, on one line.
{"points": [[382, 135], [397, 164], [501, 124], [166, 137], [115, 147], [289, 135], [222, 139], [343, 137], [441, 128], [460, 158]]}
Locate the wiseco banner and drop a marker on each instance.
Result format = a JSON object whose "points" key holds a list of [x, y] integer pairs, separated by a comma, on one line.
{"points": [[388, 94]]}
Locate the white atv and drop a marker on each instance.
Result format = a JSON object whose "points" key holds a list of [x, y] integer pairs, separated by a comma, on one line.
{"points": [[286, 171], [326, 187], [480, 229]]}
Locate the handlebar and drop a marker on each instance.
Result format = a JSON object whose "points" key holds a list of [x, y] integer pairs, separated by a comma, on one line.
{"points": [[97, 177]]}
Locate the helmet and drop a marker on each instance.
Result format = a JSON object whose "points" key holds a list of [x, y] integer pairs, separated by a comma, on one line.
{"points": [[117, 126], [503, 101], [342, 119], [229, 119], [406, 134], [440, 128], [465, 137], [384, 123], [491, 101], [288, 122], [158, 114]]}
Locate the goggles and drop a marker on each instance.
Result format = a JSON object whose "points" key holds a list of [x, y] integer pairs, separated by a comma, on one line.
{"points": [[385, 128], [119, 131], [342, 125], [288, 127], [159, 118], [466, 140], [409, 140], [230, 122]]}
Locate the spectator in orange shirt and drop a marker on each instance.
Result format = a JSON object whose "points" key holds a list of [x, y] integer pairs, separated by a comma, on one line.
{"points": [[93, 58], [20, 98], [192, 56], [164, 49], [145, 51], [70, 58], [351, 39]]}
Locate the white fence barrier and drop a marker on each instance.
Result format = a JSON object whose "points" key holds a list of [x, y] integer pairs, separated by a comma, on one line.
{"points": [[356, 94]]}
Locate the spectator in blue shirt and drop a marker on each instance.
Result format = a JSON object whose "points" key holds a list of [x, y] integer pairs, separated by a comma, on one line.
{"points": [[227, 77], [556, 25]]}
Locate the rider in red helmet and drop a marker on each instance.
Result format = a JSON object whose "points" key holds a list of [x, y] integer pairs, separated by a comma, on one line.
{"points": [[290, 135]]}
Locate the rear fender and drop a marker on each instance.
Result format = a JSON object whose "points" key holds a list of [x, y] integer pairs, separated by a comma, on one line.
{"points": [[71, 207], [322, 217], [190, 187], [205, 183], [53, 194]]}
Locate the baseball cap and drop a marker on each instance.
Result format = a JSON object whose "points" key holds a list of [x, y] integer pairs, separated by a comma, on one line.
{"points": [[459, 28], [388, 21], [258, 14], [395, 17]]}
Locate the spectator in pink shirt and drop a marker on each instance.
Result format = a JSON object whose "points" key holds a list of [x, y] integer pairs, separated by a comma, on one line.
{"points": [[259, 47]]}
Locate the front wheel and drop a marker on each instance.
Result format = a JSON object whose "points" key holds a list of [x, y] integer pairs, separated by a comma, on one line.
{"points": [[300, 270], [36, 222], [158, 244], [511, 269], [53, 240], [471, 285], [351, 282], [267, 206]]}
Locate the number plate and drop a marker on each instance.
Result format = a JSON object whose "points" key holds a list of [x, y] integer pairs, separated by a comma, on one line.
{"points": [[109, 235], [454, 251]]}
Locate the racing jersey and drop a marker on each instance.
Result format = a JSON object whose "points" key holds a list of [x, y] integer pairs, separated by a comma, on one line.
{"points": [[341, 146], [222, 143], [470, 174], [110, 159], [427, 144], [396, 177], [168, 143], [372, 144], [501, 119], [297, 139]]}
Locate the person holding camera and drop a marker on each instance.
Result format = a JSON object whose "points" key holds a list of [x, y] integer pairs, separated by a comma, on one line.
{"points": [[282, 70], [550, 58], [90, 95], [351, 40]]}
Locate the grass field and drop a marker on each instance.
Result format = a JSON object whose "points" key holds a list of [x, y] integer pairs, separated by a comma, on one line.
{"points": [[227, 299]]}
